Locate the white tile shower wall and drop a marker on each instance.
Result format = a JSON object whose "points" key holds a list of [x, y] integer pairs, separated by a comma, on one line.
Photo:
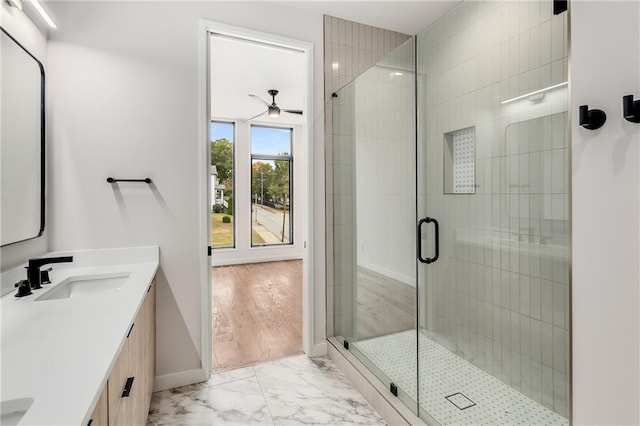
{"points": [[499, 296], [343, 214], [350, 48]]}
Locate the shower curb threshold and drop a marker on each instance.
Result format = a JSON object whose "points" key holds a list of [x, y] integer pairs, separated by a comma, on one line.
{"points": [[392, 410]]}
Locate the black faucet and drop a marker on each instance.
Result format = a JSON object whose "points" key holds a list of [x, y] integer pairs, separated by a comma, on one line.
{"points": [[33, 270], [34, 274]]}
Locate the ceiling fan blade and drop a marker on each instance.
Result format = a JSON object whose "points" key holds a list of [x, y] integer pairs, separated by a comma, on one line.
{"points": [[255, 116], [293, 111], [261, 100]]}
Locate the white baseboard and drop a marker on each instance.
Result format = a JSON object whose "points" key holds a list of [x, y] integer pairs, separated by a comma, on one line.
{"points": [[319, 349], [182, 378], [405, 279]]}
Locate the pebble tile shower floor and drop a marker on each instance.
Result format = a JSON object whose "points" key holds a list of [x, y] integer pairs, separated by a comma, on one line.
{"points": [[443, 374]]}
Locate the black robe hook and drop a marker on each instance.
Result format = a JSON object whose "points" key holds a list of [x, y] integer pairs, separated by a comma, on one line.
{"points": [[631, 109], [591, 119]]}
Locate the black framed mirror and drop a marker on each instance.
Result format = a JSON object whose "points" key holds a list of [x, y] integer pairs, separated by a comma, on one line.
{"points": [[22, 143]]}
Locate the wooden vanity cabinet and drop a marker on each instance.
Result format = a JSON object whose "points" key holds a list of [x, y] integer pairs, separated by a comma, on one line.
{"points": [[118, 379], [130, 384], [100, 415]]}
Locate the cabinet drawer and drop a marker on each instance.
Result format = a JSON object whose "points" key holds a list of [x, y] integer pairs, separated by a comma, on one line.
{"points": [[100, 414], [134, 369], [136, 363], [118, 380]]}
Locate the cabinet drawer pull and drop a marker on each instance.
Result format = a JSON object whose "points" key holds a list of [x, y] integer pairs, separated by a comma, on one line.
{"points": [[127, 387], [130, 330]]}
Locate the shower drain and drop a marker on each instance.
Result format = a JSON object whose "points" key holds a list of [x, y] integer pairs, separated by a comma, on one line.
{"points": [[460, 401]]}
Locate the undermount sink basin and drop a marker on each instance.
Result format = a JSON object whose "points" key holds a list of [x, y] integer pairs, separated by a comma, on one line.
{"points": [[86, 285], [13, 410]]}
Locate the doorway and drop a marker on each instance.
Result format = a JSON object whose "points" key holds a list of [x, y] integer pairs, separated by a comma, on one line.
{"points": [[257, 313], [257, 157]]}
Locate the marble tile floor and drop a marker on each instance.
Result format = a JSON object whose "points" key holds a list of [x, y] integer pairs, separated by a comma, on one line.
{"points": [[290, 391]]}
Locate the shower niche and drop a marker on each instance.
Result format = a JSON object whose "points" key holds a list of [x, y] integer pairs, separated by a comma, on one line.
{"points": [[444, 127], [460, 161]]}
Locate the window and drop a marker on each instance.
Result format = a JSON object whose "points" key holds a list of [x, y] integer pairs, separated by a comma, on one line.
{"points": [[222, 205], [271, 183]]}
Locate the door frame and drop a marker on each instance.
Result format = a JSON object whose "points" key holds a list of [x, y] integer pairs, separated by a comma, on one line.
{"points": [[208, 27]]}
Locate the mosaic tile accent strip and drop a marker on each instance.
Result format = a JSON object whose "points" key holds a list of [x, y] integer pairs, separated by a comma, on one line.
{"points": [[443, 374]]}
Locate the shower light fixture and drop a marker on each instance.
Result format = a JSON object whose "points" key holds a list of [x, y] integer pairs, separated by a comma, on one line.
{"points": [[526, 95], [335, 66], [43, 13]]}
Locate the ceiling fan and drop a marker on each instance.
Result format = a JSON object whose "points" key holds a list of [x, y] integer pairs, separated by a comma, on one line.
{"points": [[272, 108]]}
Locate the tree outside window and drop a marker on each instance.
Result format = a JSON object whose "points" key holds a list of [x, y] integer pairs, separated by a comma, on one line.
{"points": [[271, 183], [222, 205]]}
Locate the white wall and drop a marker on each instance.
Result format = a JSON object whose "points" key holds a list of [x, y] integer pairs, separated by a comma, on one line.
{"points": [[124, 90], [16, 23], [605, 63]]}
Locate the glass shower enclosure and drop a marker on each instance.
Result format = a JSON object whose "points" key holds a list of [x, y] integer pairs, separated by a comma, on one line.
{"points": [[450, 166]]}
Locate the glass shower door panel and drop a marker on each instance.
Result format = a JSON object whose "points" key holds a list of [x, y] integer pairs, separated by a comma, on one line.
{"points": [[493, 168], [373, 161]]}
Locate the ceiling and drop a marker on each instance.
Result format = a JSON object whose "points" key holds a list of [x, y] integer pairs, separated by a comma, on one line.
{"points": [[240, 68], [408, 17]]}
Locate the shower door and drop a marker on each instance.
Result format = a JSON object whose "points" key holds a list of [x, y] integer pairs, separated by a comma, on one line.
{"points": [[450, 224], [493, 197], [374, 212]]}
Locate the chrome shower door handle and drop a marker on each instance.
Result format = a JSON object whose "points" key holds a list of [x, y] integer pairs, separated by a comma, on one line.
{"points": [[437, 240]]}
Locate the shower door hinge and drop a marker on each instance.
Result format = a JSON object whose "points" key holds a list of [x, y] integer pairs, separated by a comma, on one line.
{"points": [[559, 6], [209, 250], [346, 344], [394, 389]]}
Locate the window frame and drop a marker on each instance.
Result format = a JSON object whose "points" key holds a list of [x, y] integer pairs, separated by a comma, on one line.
{"points": [[269, 157], [233, 180]]}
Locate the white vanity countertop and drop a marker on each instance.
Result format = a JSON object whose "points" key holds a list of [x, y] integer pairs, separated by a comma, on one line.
{"points": [[60, 352]]}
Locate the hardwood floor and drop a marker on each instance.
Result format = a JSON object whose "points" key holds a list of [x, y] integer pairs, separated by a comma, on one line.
{"points": [[257, 313], [385, 306]]}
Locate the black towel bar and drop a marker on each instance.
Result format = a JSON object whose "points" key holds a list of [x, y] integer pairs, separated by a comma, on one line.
{"points": [[112, 180]]}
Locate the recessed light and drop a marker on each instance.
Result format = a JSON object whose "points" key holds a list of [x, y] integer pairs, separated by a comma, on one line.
{"points": [[335, 66], [43, 13]]}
